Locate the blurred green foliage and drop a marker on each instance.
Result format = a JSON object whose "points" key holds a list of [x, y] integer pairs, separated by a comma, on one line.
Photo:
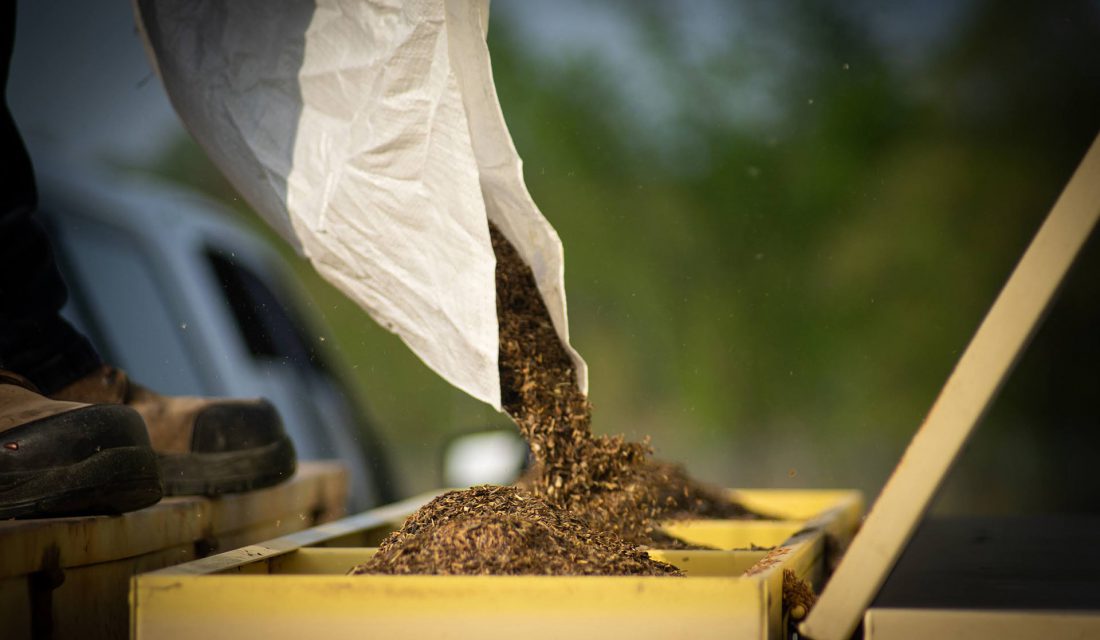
{"points": [[776, 295]]}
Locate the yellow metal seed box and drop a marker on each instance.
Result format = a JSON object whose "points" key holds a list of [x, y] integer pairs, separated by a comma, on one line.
{"points": [[295, 587]]}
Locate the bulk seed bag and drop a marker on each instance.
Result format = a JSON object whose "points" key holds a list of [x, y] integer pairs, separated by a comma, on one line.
{"points": [[370, 136]]}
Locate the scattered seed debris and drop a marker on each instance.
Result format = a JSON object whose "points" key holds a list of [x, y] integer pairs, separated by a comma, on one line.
{"points": [[798, 595], [773, 557]]}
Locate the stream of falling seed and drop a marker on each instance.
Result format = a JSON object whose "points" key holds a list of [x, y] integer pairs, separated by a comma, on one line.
{"points": [[587, 505]]}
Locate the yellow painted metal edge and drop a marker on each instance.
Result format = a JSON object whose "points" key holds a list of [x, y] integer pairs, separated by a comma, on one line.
{"points": [[794, 504], [239, 607], [955, 624], [193, 600], [734, 534], [337, 561], [368, 519], [739, 607], [844, 503], [802, 554], [719, 571]]}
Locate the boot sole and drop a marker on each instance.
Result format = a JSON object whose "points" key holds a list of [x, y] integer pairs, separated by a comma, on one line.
{"points": [[210, 474], [108, 482]]}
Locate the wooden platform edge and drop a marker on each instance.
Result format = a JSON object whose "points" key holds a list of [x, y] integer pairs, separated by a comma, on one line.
{"points": [[318, 490]]}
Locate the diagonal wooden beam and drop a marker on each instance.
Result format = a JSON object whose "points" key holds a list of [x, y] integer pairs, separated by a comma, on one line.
{"points": [[964, 399]]}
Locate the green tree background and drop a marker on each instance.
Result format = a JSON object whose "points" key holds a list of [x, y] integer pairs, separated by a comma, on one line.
{"points": [[778, 247]]}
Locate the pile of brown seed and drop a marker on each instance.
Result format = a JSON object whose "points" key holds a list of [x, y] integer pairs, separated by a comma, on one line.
{"points": [[587, 501], [505, 531], [689, 498]]}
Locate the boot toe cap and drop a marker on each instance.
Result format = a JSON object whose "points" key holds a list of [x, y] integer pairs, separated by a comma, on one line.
{"points": [[236, 425]]}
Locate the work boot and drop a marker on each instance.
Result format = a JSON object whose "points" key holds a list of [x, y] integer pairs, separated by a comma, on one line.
{"points": [[69, 458], [204, 446]]}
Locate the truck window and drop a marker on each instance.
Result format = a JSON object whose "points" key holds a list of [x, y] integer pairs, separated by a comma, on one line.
{"points": [[120, 301], [268, 326]]}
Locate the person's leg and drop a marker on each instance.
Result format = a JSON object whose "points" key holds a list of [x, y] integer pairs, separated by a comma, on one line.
{"points": [[35, 341], [202, 446], [57, 458]]}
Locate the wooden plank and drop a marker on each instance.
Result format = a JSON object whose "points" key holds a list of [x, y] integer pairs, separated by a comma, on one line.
{"points": [[15, 608], [92, 603], [70, 577], [966, 396], [34, 545], [84, 602], [316, 491], [319, 495], [949, 624]]}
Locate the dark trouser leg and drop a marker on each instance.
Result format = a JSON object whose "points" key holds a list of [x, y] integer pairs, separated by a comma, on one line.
{"points": [[34, 340]]}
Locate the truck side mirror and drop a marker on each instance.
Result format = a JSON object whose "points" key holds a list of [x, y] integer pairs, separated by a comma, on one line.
{"points": [[496, 456]]}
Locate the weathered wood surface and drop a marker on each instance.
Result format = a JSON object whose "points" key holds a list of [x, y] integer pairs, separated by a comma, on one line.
{"points": [[70, 577]]}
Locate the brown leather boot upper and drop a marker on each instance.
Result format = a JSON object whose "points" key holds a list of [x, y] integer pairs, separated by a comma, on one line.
{"points": [[169, 419], [20, 402], [181, 425]]}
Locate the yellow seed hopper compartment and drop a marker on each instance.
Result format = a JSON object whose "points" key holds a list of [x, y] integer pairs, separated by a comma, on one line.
{"points": [[296, 587]]}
